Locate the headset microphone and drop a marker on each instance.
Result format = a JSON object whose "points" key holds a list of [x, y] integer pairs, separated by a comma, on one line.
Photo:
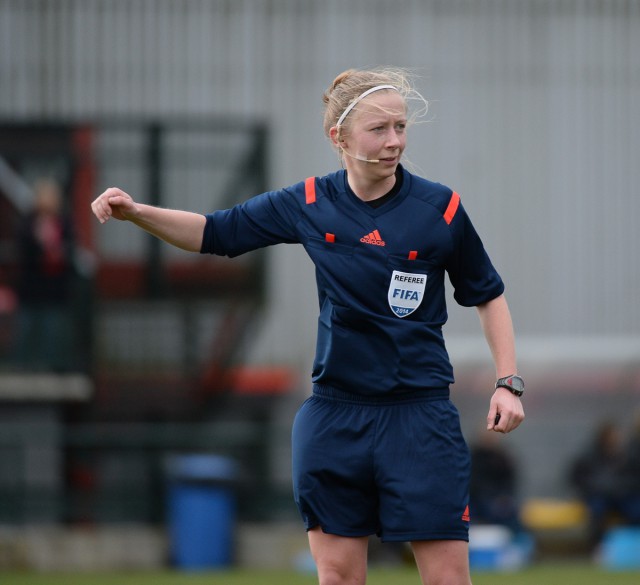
{"points": [[362, 158]]}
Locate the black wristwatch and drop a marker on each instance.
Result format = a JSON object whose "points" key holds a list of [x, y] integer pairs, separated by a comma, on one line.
{"points": [[515, 384]]}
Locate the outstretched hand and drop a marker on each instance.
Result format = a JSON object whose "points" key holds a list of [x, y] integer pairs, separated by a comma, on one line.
{"points": [[505, 412], [114, 203]]}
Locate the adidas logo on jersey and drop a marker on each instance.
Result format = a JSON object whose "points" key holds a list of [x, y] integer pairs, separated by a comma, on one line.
{"points": [[373, 238]]}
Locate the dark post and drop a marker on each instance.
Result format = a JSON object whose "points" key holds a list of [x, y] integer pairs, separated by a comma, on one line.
{"points": [[156, 284]]}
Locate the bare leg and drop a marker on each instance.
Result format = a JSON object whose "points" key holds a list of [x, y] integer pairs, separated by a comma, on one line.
{"points": [[442, 562], [340, 560]]}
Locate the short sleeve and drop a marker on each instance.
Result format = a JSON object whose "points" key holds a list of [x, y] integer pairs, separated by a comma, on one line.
{"points": [[263, 220], [473, 276]]}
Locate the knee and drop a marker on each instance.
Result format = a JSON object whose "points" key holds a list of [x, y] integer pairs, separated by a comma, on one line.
{"points": [[444, 562], [340, 560], [341, 576]]}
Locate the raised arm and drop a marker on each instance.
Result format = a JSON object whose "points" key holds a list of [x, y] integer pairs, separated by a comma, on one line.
{"points": [[495, 319], [182, 229]]}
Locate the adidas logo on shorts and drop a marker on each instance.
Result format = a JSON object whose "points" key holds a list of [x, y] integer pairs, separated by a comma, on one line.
{"points": [[465, 515]]}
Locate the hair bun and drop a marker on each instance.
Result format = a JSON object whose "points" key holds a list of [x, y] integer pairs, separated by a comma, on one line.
{"points": [[340, 78], [336, 82]]}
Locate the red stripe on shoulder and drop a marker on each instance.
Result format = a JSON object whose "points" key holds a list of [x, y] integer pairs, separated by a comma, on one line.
{"points": [[310, 190], [452, 207]]}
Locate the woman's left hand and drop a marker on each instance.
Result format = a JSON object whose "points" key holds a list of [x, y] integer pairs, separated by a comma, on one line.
{"points": [[505, 411]]}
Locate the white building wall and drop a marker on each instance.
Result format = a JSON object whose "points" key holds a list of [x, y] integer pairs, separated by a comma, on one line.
{"points": [[534, 120]]}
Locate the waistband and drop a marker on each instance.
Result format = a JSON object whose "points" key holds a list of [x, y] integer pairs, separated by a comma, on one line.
{"points": [[397, 397]]}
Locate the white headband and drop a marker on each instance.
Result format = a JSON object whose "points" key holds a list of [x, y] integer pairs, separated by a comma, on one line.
{"points": [[361, 97]]}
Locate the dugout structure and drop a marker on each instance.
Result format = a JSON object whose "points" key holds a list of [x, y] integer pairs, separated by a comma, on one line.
{"points": [[159, 332]]}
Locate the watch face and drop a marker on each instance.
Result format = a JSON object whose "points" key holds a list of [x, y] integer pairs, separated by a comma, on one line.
{"points": [[516, 382], [513, 383]]}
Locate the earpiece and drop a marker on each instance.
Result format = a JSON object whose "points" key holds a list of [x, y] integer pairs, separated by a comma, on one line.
{"points": [[362, 158], [357, 156]]}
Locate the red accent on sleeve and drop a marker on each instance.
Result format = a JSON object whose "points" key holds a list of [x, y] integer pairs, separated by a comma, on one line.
{"points": [[310, 190], [331, 238], [452, 207], [413, 254]]}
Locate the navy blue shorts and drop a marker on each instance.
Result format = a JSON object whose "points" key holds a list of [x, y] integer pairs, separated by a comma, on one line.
{"points": [[396, 467]]}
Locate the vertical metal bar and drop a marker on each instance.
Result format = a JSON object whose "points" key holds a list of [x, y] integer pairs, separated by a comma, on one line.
{"points": [[156, 282]]}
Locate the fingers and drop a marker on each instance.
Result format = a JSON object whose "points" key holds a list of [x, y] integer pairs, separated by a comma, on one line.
{"points": [[506, 421], [101, 209], [102, 206], [505, 413], [493, 418], [504, 424]]}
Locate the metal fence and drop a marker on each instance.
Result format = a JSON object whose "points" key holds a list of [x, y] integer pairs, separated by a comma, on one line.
{"points": [[159, 331]]}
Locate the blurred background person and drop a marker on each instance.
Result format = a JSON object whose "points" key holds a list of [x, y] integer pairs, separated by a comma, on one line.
{"points": [[631, 476], [597, 476], [44, 284], [494, 479]]}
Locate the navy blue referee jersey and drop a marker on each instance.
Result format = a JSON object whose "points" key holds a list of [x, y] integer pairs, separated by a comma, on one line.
{"points": [[379, 270]]}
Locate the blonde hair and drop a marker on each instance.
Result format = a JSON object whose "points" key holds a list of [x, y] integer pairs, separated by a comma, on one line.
{"points": [[351, 84]]}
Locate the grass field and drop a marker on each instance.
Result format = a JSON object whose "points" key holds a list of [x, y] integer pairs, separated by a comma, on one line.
{"points": [[574, 574]]}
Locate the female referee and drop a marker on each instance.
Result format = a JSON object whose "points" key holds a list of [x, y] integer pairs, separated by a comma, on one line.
{"points": [[377, 448]]}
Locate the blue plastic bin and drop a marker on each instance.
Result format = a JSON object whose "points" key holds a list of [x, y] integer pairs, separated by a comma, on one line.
{"points": [[621, 548], [497, 548], [201, 510]]}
